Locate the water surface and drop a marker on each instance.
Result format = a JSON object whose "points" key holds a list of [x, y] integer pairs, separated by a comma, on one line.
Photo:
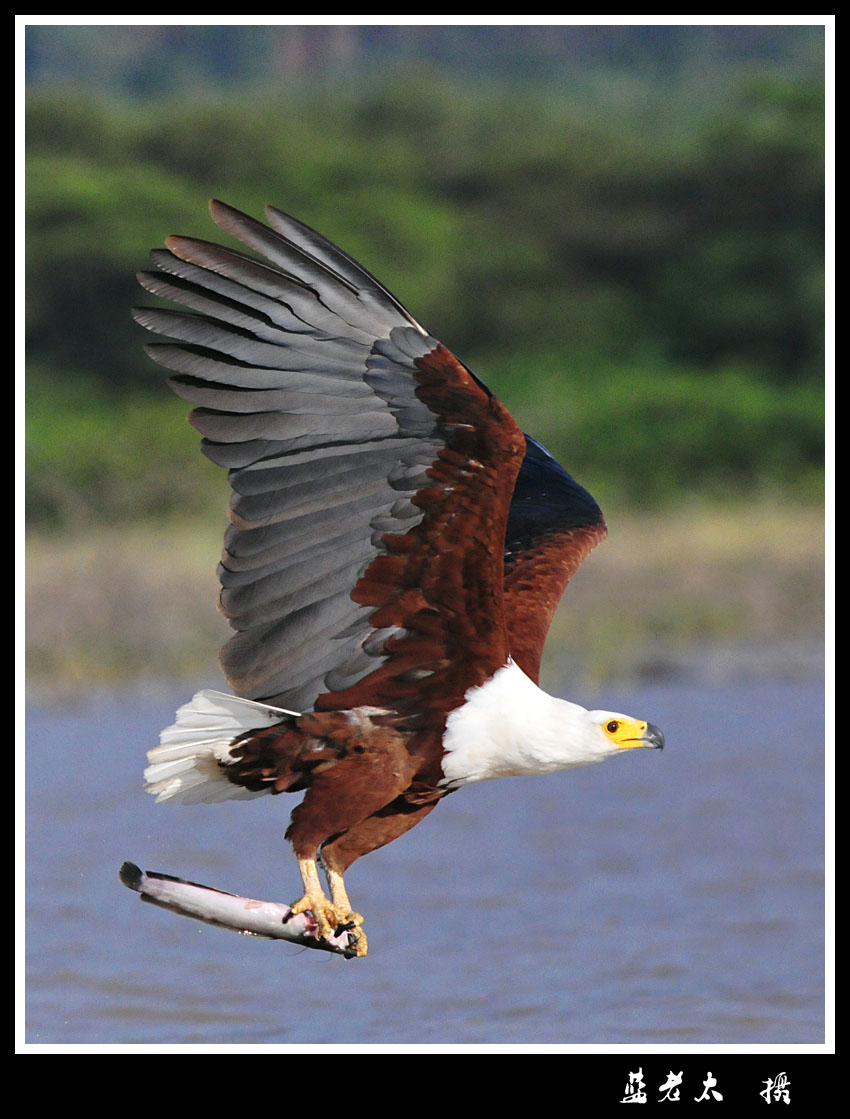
{"points": [[659, 898]]}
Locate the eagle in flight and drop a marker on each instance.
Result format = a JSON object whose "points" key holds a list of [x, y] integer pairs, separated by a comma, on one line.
{"points": [[396, 551]]}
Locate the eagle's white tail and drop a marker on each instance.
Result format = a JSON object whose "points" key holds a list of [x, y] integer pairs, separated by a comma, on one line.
{"points": [[186, 766]]}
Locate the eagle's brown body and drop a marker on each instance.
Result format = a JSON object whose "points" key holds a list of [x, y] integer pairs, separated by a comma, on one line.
{"points": [[365, 785]]}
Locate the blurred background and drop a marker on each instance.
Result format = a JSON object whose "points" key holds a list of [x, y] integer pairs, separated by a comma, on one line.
{"points": [[619, 228]]}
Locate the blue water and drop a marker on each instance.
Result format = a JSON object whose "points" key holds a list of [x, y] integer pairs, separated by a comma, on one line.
{"points": [[660, 898]]}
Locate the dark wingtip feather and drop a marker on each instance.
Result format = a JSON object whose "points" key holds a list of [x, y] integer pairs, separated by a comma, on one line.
{"points": [[547, 499]]}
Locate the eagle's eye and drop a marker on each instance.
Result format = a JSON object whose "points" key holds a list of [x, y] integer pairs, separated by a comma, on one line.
{"points": [[612, 727]]}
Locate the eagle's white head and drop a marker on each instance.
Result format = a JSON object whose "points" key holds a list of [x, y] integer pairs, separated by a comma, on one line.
{"points": [[509, 727]]}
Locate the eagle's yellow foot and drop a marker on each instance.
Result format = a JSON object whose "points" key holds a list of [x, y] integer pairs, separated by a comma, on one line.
{"points": [[356, 936], [331, 917], [331, 921], [328, 917]]}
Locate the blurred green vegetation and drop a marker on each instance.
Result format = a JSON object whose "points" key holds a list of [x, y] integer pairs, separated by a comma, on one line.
{"points": [[635, 268]]}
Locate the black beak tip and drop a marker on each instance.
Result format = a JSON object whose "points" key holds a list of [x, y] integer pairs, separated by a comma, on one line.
{"points": [[656, 736]]}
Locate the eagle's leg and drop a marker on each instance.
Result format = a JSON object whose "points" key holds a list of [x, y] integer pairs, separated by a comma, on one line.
{"points": [[329, 915], [342, 906], [340, 898]]}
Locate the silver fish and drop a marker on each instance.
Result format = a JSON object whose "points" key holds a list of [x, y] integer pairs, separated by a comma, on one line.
{"points": [[269, 919]]}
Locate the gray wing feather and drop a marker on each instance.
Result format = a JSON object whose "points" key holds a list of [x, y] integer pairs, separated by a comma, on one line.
{"points": [[301, 367]]}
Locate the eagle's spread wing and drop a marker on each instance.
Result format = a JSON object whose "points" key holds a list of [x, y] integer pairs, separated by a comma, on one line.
{"points": [[372, 473], [396, 552]]}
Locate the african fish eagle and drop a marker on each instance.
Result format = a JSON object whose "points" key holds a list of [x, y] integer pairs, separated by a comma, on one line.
{"points": [[396, 552]]}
